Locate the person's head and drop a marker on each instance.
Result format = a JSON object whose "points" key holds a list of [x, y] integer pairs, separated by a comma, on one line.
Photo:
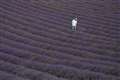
{"points": [[76, 19]]}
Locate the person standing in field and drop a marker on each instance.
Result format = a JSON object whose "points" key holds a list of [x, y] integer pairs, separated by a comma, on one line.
{"points": [[74, 24]]}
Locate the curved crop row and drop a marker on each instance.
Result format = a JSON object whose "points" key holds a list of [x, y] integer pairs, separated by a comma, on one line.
{"points": [[58, 70], [26, 72], [55, 47], [8, 76]]}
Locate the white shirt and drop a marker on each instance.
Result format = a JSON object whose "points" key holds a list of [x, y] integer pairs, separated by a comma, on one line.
{"points": [[74, 22]]}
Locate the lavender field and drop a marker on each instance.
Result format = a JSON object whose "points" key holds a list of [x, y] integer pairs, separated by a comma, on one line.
{"points": [[37, 41]]}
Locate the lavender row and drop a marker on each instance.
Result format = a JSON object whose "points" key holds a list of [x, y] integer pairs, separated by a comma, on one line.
{"points": [[26, 72], [25, 8], [71, 44], [8, 76], [43, 51], [59, 70], [106, 69]]}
